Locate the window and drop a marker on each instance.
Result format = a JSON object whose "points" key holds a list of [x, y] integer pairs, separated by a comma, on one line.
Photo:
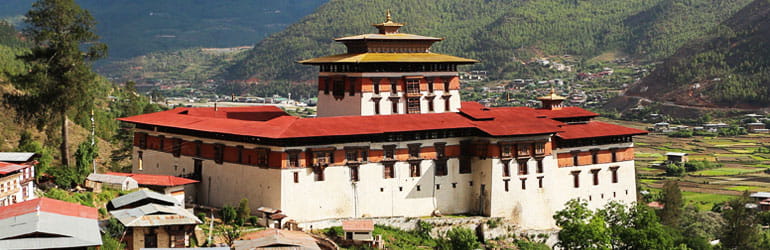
{"points": [[522, 150], [198, 145], [356, 154], [354, 173], [413, 105], [465, 157], [506, 184], [595, 156], [446, 104], [576, 179], [575, 161], [446, 87], [413, 86], [414, 150], [388, 171], [394, 106], [414, 169], [296, 177], [323, 158], [177, 150], [393, 86], [319, 173], [595, 172], [441, 168], [389, 152], [162, 145], [430, 105], [523, 183], [263, 157], [376, 106], [614, 171], [438, 186], [339, 88], [505, 151], [539, 148], [376, 85], [219, 153], [326, 85], [142, 138], [540, 166], [139, 160], [614, 155], [430, 86], [352, 88], [293, 156], [240, 153], [440, 148], [351, 155], [523, 168], [540, 182]]}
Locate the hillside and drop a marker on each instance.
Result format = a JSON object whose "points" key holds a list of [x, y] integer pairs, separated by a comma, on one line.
{"points": [[500, 33], [137, 27], [731, 68]]}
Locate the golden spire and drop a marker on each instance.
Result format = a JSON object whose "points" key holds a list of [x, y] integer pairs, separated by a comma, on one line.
{"points": [[388, 27], [387, 17]]}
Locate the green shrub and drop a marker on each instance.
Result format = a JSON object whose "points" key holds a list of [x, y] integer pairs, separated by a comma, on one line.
{"points": [[494, 222], [674, 170], [243, 211], [228, 214], [201, 216], [254, 220], [700, 165], [529, 245], [424, 228], [459, 238], [681, 134]]}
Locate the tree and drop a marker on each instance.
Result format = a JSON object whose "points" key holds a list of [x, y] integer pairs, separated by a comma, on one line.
{"points": [[230, 233], [243, 211], [672, 201], [60, 79], [28, 144], [229, 214], [581, 228], [635, 227], [459, 238], [741, 230]]}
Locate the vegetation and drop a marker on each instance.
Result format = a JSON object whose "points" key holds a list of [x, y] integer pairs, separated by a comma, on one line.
{"points": [[673, 204], [60, 79], [228, 214], [729, 68], [741, 230], [244, 212], [501, 34], [459, 238]]}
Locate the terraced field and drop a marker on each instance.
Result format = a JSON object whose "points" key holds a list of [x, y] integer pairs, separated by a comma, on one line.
{"points": [[743, 160]]}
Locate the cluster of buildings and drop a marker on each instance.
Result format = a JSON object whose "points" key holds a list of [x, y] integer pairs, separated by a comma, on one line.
{"points": [[17, 175], [392, 138]]}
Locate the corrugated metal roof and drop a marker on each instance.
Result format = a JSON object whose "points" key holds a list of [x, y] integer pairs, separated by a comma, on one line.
{"points": [[156, 180], [106, 178], [6, 167], [388, 57], [154, 215], [16, 156], [140, 195], [275, 237], [358, 226], [50, 217]]}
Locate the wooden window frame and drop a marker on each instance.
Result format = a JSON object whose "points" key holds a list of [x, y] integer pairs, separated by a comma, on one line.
{"points": [[540, 182], [414, 150], [389, 152], [414, 169], [523, 166], [413, 105], [388, 170], [539, 148], [523, 183], [595, 173], [338, 90], [263, 157], [441, 167], [614, 171], [440, 148], [354, 174], [292, 158], [523, 149], [540, 166], [594, 156], [576, 179], [412, 86]]}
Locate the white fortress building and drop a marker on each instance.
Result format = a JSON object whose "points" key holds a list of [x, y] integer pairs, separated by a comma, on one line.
{"points": [[392, 138]]}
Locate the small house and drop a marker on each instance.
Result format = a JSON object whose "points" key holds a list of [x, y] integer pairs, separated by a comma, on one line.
{"points": [[164, 184], [45, 223], [271, 217], [358, 230], [153, 220], [676, 158], [755, 127], [661, 127], [277, 239], [96, 181]]}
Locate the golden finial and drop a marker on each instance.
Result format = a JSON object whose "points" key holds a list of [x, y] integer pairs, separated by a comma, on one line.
{"points": [[387, 17], [553, 90]]}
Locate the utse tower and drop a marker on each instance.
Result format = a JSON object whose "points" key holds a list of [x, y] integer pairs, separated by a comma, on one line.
{"points": [[392, 138]]}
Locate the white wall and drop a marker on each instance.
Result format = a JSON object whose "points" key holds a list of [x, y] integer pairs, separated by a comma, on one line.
{"points": [[329, 106]]}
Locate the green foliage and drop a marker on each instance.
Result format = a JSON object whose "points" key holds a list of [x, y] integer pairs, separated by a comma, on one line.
{"points": [[681, 134], [201, 216], [244, 212], [85, 199], [459, 238], [673, 169], [112, 243], [701, 226], [28, 144], [230, 233], [60, 79], [114, 228], [254, 221], [128, 103], [581, 228], [673, 204], [424, 228], [229, 214], [501, 34], [635, 227], [741, 230], [529, 245], [333, 232], [692, 166]]}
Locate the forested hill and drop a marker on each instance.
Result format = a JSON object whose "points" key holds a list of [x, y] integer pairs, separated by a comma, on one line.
{"points": [[500, 33], [137, 27], [729, 68]]}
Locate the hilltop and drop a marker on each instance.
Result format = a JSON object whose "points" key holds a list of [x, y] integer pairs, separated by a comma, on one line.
{"points": [[730, 68], [136, 27], [502, 34]]}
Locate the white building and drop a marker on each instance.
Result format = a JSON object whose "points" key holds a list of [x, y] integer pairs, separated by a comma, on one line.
{"points": [[16, 183], [397, 156]]}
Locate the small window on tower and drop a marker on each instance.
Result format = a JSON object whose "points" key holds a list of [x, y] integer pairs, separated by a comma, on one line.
{"points": [[339, 88], [413, 105], [413, 86], [389, 152]]}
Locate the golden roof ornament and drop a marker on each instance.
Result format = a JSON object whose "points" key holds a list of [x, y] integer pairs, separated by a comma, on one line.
{"points": [[388, 27], [552, 96]]}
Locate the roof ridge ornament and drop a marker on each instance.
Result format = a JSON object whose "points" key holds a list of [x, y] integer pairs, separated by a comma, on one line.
{"points": [[388, 27], [387, 17]]}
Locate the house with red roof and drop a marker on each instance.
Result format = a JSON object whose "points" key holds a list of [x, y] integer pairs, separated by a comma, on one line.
{"points": [[16, 182], [170, 185], [392, 138], [45, 223]]}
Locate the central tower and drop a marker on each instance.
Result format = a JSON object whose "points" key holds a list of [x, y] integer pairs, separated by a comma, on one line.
{"points": [[387, 73]]}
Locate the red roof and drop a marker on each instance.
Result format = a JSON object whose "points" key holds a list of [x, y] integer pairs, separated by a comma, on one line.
{"points": [[156, 180], [596, 129], [50, 206], [6, 168], [358, 226], [504, 121]]}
